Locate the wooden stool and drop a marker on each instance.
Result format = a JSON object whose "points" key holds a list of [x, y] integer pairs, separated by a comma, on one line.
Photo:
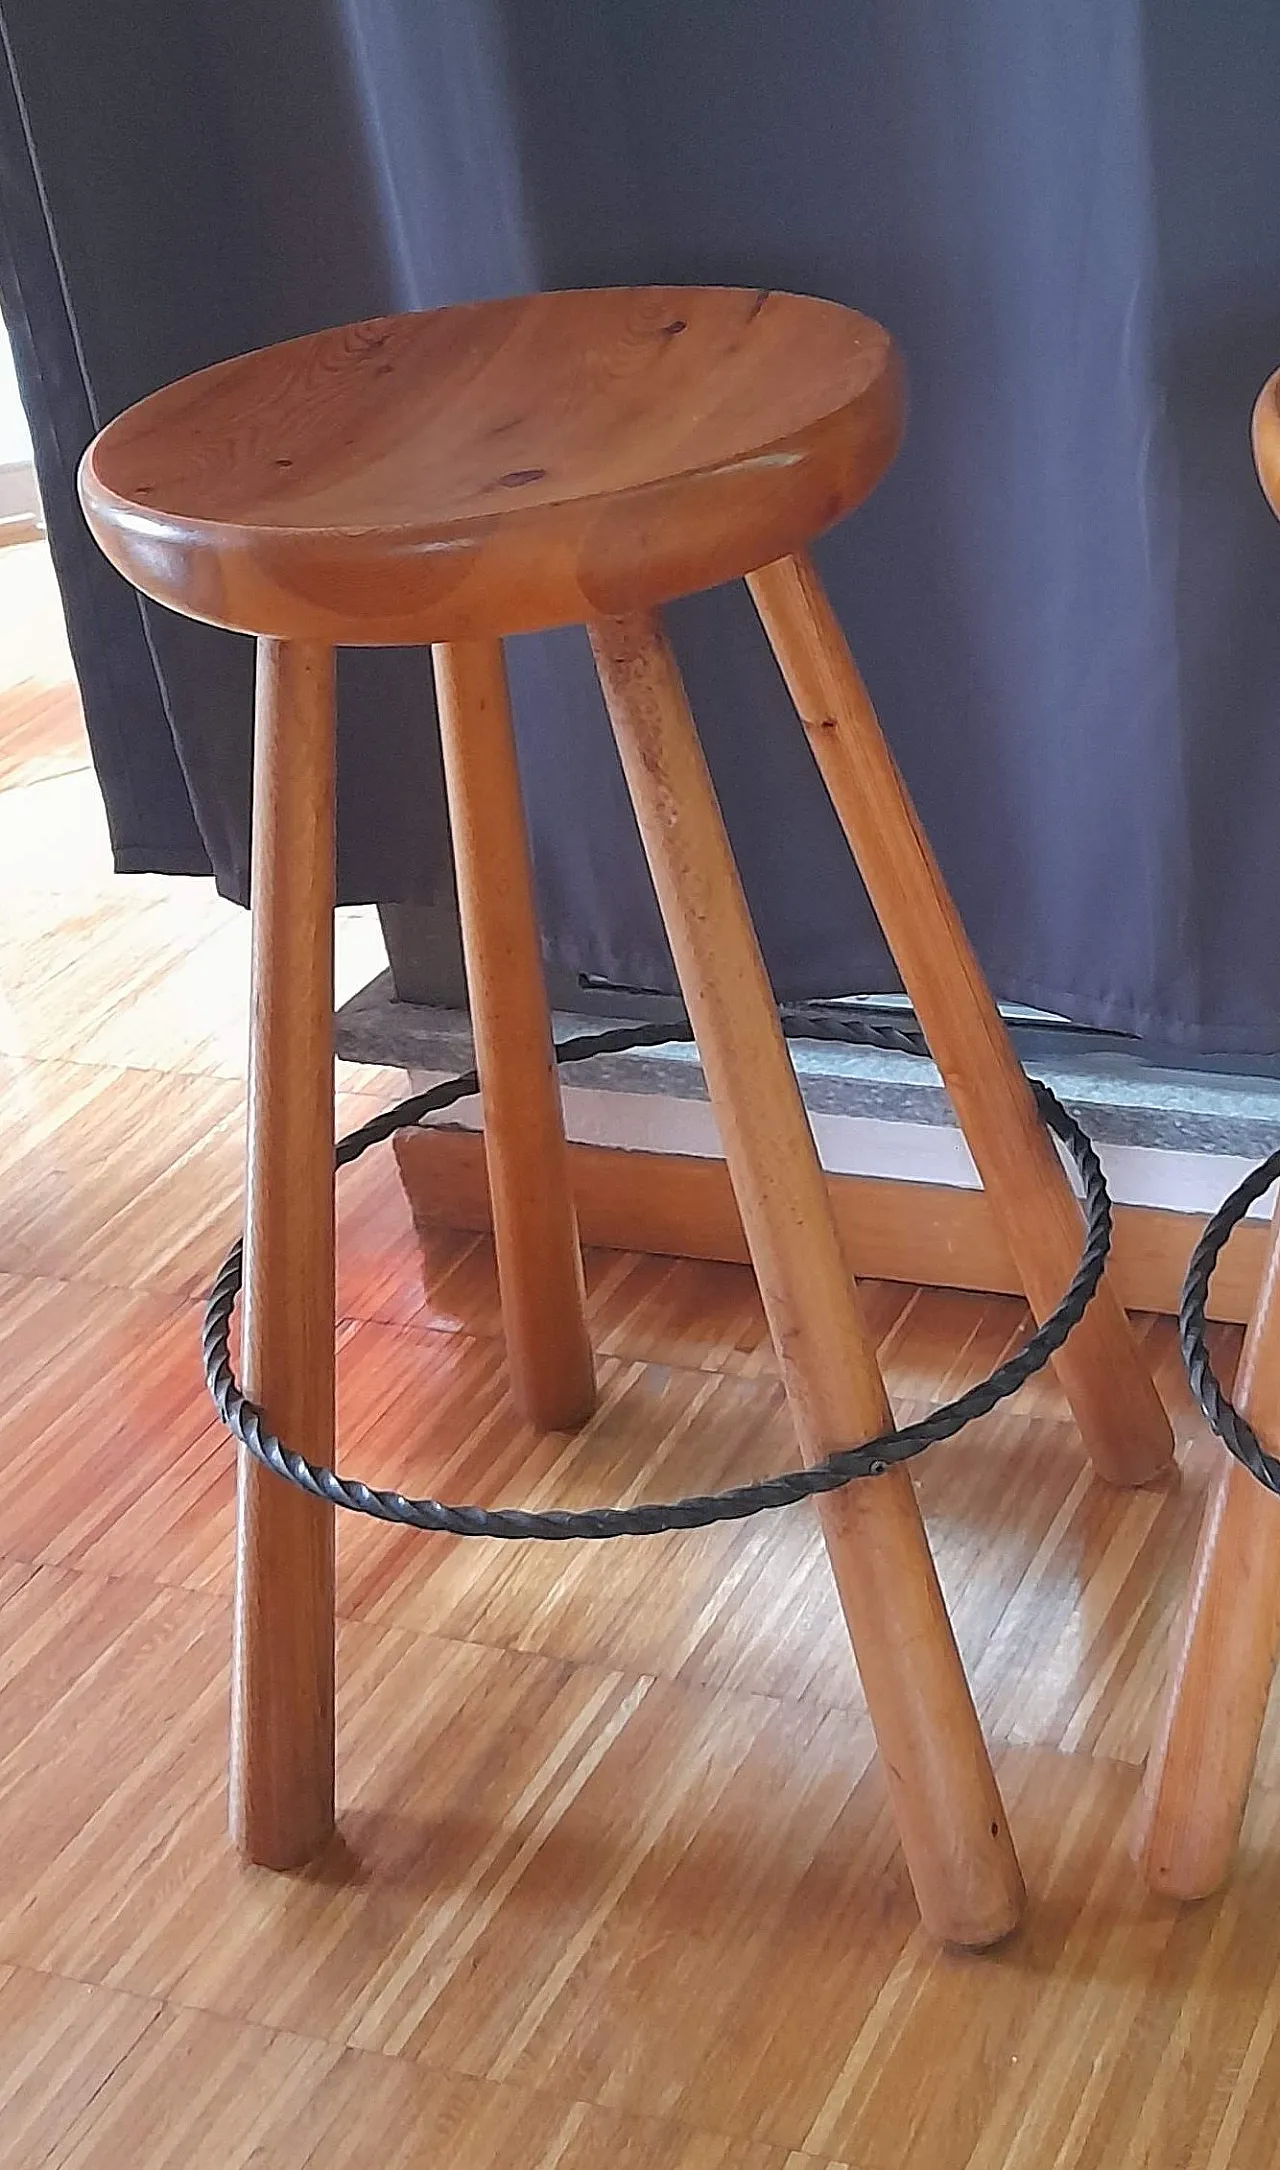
{"points": [[453, 478], [1199, 1770]]}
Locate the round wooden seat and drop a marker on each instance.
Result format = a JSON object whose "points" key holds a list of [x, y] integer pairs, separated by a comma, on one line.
{"points": [[1266, 440], [499, 467]]}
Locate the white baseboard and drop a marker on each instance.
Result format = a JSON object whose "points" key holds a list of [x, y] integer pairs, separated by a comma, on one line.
{"points": [[1179, 1182]]}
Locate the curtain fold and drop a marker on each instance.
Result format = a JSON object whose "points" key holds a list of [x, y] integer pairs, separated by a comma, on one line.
{"points": [[1066, 596]]}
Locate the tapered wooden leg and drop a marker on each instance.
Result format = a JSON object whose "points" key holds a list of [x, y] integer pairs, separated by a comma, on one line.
{"points": [[1198, 1773], [534, 1222], [954, 1833], [1110, 1389], [282, 1735]]}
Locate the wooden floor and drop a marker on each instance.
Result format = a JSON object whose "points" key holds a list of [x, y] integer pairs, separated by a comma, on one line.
{"points": [[615, 1883]]}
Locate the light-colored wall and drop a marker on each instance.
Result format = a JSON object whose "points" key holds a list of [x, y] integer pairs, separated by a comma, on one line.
{"points": [[15, 441]]}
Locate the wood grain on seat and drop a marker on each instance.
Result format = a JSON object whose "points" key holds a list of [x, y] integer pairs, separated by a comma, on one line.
{"points": [[497, 467], [1266, 440]]}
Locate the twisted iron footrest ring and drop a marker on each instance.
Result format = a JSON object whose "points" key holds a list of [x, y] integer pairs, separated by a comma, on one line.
{"points": [[1226, 1420], [869, 1459]]}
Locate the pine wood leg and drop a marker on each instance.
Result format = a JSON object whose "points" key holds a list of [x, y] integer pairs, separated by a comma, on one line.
{"points": [[1110, 1389], [952, 1823], [1198, 1773], [535, 1225], [282, 1723]]}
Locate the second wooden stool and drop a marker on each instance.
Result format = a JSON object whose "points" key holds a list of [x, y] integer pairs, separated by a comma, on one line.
{"points": [[1228, 1643]]}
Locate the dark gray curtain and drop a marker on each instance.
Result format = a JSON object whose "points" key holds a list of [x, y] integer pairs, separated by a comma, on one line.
{"points": [[1066, 597]]}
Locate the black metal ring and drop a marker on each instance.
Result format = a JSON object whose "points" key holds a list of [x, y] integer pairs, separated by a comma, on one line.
{"points": [[868, 1459], [1235, 1432]]}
